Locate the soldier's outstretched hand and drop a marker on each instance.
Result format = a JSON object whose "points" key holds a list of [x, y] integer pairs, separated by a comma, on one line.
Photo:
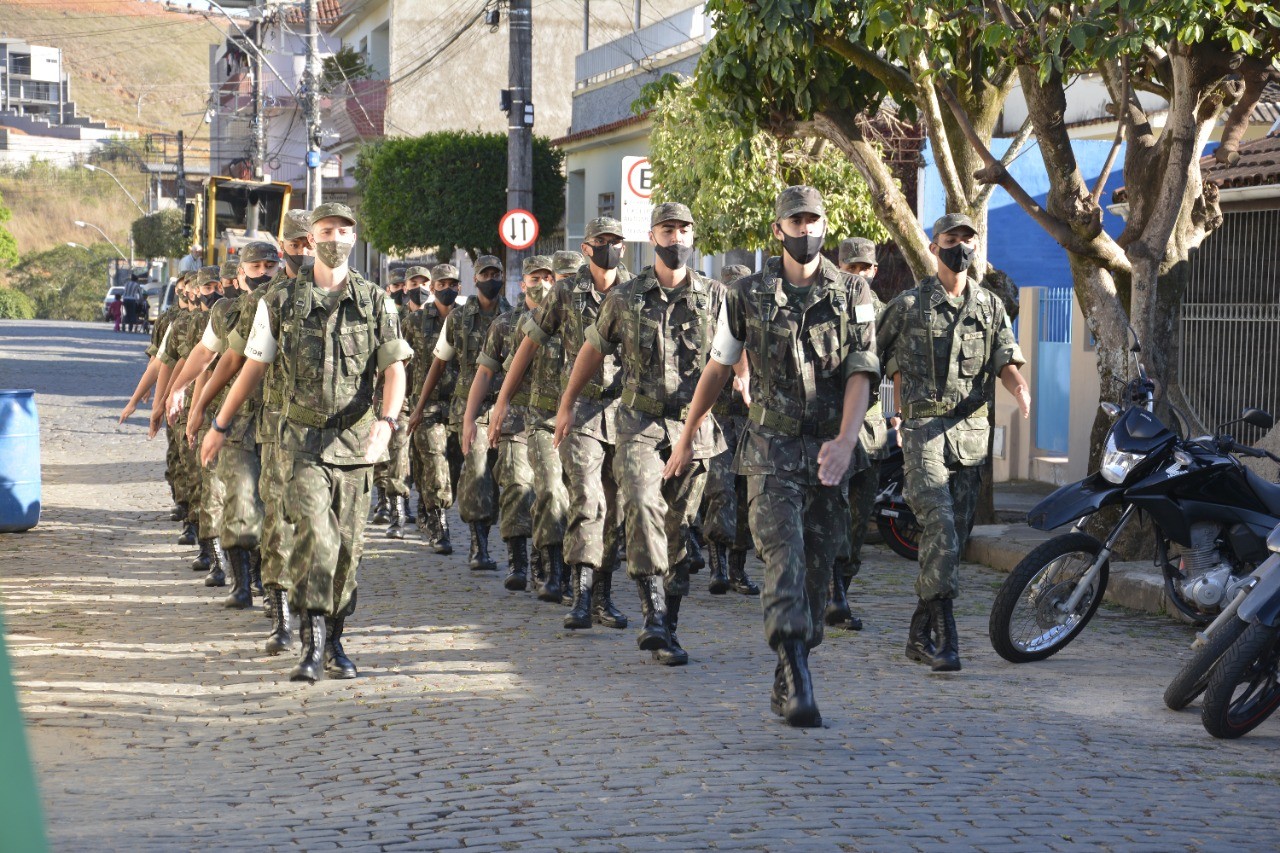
{"points": [[157, 418], [469, 435], [195, 420], [415, 418], [833, 460], [129, 408], [681, 456], [1023, 396], [209, 449], [497, 415], [379, 438], [564, 420]]}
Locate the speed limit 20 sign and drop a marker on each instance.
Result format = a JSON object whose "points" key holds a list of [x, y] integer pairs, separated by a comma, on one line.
{"points": [[518, 229]]}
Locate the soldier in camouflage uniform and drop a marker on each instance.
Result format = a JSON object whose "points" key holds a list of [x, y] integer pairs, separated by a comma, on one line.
{"points": [[660, 323], [944, 343], [182, 479], [392, 477], [381, 497], [462, 338], [592, 530], [332, 333], [808, 331], [437, 456]]}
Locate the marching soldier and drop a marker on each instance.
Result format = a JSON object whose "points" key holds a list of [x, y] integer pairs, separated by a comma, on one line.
{"points": [[392, 476], [381, 498]]}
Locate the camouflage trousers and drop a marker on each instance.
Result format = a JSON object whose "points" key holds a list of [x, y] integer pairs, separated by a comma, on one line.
{"points": [[437, 464], [550, 497], [171, 474], [514, 478], [658, 512], [863, 488], [392, 476], [327, 506], [724, 506], [792, 525], [212, 494], [277, 532], [592, 526], [238, 470], [477, 489], [187, 471], [943, 494]]}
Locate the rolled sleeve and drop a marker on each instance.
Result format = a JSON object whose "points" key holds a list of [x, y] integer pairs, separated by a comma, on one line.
{"points": [[861, 361], [396, 349], [1006, 350], [153, 351], [533, 331], [597, 340], [725, 348], [211, 341], [236, 342], [487, 360]]}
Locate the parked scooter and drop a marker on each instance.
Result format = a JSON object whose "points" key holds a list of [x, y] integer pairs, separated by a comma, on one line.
{"points": [[894, 519]]}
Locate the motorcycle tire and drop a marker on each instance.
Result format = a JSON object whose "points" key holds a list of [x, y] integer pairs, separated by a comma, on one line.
{"points": [[1192, 679], [1244, 688], [901, 532], [1008, 620]]}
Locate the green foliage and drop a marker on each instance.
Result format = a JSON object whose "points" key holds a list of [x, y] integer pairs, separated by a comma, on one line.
{"points": [[730, 180], [448, 189], [65, 282], [8, 244], [159, 235], [347, 64], [16, 305]]}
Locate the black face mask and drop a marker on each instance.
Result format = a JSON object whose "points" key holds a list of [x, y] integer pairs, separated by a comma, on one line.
{"points": [[398, 297], [804, 248], [489, 289], [258, 280], [674, 256], [413, 295], [447, 296], [958, 258], [295, 262], [606, 257], [209, 298]]}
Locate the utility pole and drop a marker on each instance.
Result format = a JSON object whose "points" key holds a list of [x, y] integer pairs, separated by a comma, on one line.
{"points": [[311, 106], [520, 120], [259, 129]]}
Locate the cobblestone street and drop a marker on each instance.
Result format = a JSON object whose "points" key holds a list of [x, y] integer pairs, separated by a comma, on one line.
{"points": [[156, 722]]}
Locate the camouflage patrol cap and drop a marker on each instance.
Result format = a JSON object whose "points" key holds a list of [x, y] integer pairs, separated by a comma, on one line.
{"points": [[857, 250], [603, 225], [259, 250], [440, 272], [333, 208], [208, 275], [733, 272], [397, 275], [950, 222], [533, 263], [417, 272], [670, 211], [230, 266], [488, 262], [565, 262], [799, 199], [297, 223]]}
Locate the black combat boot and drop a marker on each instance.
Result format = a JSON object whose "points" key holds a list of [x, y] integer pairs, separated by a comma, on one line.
{"points": [[738, 580], [381, 508], [552, 565], [189, 534], [281, 636], [218, 564], [410, 517], [602, 610], [838, 614], [479, 559], [800, 709], [202, 560], [241, 579], [395, 517], [673, 654], [518, 557], [537, 573], [336, 662], [255, 576], [919, 642], [947, 656], [778, 696], [311, 630], [718, 583], [653, 604], [694, 546], [580, 616], [179, 512], [442, 545], [566, 584]]}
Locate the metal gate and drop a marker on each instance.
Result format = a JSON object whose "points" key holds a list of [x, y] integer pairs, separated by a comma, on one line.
{"points": [[1053, 369], [1230, 322]]}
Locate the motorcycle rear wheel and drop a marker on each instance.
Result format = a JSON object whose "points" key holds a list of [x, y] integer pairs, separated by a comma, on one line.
{"points": [[900, 532], [1026, 624], [1192, 679], [1244, 688]]}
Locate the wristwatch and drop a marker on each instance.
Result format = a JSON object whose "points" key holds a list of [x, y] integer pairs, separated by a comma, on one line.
{"points": [[391, 422], [217, 428]]}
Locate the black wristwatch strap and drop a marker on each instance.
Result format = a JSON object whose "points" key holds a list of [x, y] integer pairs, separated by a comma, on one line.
{"points": [[391, 422], [217, 427]]}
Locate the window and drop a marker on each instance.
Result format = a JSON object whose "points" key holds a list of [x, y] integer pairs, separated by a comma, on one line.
{"points": [[20, 63], [607, 205]]}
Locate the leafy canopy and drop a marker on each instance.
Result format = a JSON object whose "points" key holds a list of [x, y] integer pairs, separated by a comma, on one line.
{"points": [[65, 282], [159, 235]]}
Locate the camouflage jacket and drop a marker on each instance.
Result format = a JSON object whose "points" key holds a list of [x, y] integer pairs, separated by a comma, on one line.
{"points": [[569, 310], [464, 333], [544, 378], [223, 318], [499, 344], [662, 338], [158, 329], [422, 334], [271, 390]]}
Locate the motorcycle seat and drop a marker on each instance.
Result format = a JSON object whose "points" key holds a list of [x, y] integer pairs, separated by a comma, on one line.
{"points": [[1269, 492]]}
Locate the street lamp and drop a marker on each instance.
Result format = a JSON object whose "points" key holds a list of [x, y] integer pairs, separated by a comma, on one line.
{"points": [[82, 224], [93, 168], [78, 246]]}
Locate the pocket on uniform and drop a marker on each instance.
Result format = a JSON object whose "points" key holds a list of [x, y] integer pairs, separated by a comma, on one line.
{"points": [[755, 455], [967, 442], [825, 340], [354, 346], [971, 354]]}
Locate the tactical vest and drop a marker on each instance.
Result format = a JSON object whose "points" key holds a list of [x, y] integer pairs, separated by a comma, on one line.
{"points": [[470, 327], [965, 348], [583, 313], [663, 354]]}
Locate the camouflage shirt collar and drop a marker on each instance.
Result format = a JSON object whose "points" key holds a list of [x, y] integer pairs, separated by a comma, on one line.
{"points": [[647, 280], [932, 290], [772, 277], [583, 283]]}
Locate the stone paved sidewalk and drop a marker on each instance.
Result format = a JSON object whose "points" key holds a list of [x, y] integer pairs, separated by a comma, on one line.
{"points": [[479, 723]]}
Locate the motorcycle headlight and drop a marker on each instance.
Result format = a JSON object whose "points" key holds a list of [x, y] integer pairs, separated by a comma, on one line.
{"points": [[1116, 464]]}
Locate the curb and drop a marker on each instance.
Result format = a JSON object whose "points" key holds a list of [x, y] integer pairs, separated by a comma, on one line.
{"points": [[1134, 585]]}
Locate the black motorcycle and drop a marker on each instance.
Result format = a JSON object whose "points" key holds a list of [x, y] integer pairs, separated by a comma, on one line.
{"points": [[1199, 497], [894, 519]]}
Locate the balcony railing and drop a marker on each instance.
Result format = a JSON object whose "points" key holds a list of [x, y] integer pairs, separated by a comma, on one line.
{"points": [[668, 37]]}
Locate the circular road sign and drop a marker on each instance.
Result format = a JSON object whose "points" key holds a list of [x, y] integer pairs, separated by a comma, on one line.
{"points": [[639, 178], [518, 229]]}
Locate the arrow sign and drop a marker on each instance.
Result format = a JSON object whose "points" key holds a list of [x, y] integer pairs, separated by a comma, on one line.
{"points": [[518, 229]]}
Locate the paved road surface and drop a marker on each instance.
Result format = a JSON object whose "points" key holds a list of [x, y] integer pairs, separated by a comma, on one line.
{"points": [[480, 723]]}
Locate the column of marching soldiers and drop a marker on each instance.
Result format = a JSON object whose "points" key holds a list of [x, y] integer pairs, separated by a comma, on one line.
{"points": [[607, 418]]}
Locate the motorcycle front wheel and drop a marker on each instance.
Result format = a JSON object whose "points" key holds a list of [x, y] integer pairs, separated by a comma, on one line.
{"points": [[899, 529], [1192, 679], [1244, 688], [1028, 622]]}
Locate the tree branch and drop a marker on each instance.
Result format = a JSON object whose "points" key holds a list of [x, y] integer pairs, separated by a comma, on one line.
{"points": [[937, 129], [1096, 195], [1255, 80], [897, 81], [1015, 148]]}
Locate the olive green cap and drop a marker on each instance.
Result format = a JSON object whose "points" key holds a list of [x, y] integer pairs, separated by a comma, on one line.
{"points": [[416, 272], [603, 225], [733, 272], [230, 266], [857, 250], [566, 262], [259, 250], [208, 275], [397, 275], [798, 199], [442, 271], [670, 211], [951, 222], [488, 262], [333, 208], [533, 263], [297, 223]]}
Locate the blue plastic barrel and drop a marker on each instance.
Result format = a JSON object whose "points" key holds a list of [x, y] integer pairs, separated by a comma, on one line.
{"points": [[19, 461]]}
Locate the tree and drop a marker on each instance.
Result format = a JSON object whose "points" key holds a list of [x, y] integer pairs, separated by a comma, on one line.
{"points": [[448, 189], [65, 282], [16, 305], [731, 179], [160, 235], [8, 245], [343, 67]]}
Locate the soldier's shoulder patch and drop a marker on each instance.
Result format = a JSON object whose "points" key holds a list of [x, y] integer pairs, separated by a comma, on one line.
{"points": [[388, 305]]}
